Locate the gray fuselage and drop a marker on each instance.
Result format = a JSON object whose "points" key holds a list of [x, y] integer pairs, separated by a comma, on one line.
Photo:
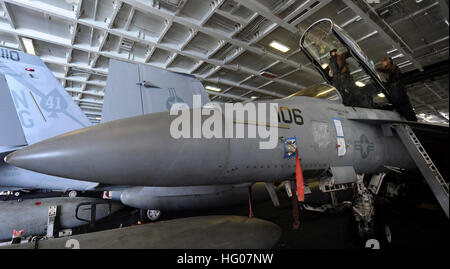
{"points": [[140, 151]]}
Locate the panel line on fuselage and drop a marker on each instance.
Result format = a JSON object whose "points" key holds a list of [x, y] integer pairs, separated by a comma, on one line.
{"points": [[266, 124]]}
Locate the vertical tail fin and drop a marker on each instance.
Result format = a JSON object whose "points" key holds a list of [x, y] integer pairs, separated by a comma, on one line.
{"points": [[43, 106], [133, 90], [11, 133]]}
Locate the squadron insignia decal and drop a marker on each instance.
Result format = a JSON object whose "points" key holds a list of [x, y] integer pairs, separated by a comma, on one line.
{"points": [[364, 146]]}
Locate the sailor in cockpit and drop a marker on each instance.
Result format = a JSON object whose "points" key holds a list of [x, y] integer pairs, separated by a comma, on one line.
{"points": [[340, 73]]}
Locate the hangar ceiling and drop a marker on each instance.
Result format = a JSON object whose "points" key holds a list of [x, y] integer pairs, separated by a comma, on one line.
{"points": [[224, 43]]}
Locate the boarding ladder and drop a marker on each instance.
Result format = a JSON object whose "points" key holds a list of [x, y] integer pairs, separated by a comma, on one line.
{"points": [[438, 185]]}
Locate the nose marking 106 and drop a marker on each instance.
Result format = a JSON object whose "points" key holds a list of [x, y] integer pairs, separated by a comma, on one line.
{"points": [[289, 115]]}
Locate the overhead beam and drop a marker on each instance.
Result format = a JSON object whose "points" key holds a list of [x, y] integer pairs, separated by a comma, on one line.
{"points": [[265, 12], [227, 95], [366, 17], [128, 35], [146, 7]]}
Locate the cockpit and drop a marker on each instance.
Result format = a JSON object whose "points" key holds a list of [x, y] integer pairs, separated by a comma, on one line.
{"points": [[359, 84]]}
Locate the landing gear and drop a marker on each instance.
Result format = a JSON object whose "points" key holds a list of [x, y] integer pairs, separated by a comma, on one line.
{"points": [[363, 208], [150, 215], [16, 193], [72, 194]]}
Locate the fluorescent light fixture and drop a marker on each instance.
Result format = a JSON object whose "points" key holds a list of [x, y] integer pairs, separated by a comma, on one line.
{"points": [[98, 118], [278, 46], [360, 84], [254, 97], [391, 51], [212, 88], [324, 92], [381, 95], [28, 44], [397, 56], [324, 66]]}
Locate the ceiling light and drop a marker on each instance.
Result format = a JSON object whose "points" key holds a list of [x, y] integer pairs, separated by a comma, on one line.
{"points": [[381, 95], [254, 97], [28, 44], [268, 75], [324, 66], [391, 51], [277, 45], [397, 56], [212, 88], [324, 92], [360, 84], [418, 1]]}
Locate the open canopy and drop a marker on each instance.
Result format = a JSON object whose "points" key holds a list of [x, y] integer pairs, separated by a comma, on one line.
{"points": [[322, 37]]}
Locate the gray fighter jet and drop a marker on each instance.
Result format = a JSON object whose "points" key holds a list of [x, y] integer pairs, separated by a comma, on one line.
{"points": [[35, 106], [336, 144], [138, 89]]}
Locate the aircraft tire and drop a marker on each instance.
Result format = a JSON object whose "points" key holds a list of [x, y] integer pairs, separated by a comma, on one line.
{"points": [[149, 215]]}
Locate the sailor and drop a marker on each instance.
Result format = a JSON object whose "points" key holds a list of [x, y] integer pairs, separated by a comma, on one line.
{"points": [[399, 98], [338, 69]]}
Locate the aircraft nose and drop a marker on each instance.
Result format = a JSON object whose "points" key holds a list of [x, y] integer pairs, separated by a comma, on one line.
{"points": [[106, 153], [10, 159], [31, 156]]}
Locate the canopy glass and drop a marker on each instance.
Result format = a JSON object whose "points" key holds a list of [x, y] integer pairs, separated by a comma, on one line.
{"points": [[322, 37]]}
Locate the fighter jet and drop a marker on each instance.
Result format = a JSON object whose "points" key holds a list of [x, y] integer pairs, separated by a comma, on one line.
{"points": [[152, 90], [33, 111], [318, 138]]}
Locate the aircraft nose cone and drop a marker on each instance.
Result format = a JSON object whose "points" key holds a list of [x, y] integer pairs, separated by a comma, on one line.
{"points": [[8, 158], [34, 157], [12, 159], [138, 151], [108, 153], [20, 158]]}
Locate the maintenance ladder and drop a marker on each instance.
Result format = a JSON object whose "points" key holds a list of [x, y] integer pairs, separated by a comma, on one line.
{"points": [[438, 185]]}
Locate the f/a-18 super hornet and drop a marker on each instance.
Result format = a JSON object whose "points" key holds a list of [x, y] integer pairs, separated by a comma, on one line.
{"points": [[311, 136], [138, 89], [34, 106]]}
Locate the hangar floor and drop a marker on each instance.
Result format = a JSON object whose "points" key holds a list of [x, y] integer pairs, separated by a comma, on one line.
{"points": [[411, 227]]}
